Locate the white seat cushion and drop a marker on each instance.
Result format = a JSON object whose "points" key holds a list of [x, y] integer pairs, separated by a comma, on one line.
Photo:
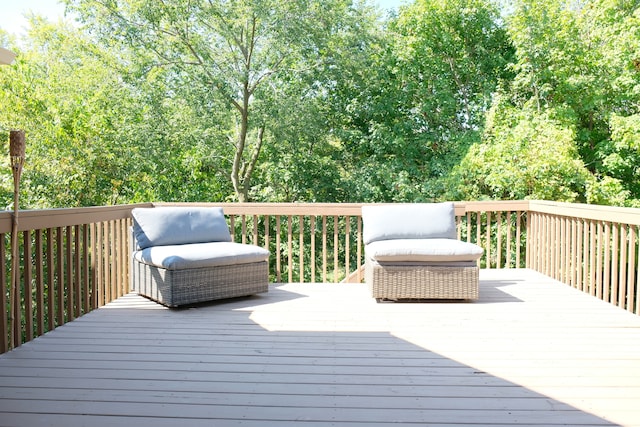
{"points": [[201, 255], [422, 250]]}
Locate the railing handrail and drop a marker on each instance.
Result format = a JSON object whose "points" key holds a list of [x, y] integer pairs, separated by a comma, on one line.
{"points": [[630, 216], [352, 209], [61, 217], [40, 219]]}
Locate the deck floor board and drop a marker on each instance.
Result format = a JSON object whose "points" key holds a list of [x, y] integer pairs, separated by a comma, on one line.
{"points": [[530, 352]]}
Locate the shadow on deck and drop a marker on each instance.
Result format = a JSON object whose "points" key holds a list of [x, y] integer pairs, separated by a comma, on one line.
{"points": [[530, 352]]}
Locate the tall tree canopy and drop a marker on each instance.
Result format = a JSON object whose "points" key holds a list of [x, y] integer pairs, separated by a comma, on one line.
{"points": [[577, 65], [238, 54], [423, 103], [327, 100]]}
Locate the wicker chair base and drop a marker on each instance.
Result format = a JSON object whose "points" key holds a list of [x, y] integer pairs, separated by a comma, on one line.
{"points": [[182, 287], [397, 282]]}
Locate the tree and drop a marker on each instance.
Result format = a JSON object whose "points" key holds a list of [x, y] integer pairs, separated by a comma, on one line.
{"points": [[425, 98], [524, 154], [236, 51], [581, 58], [100, 135], [311, 160], [57, 92]]}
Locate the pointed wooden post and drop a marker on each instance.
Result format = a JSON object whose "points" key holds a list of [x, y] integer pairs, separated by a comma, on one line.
{"points": [[17, 152]]}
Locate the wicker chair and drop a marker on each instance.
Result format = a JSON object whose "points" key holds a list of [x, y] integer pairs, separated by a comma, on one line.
{"points": [[412, 252], [184, 255]]}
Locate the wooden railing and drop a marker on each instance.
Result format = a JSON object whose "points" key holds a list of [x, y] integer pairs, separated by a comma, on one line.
{"points": [[323, 242], [74, 260], [592, 248], [71, 261]]}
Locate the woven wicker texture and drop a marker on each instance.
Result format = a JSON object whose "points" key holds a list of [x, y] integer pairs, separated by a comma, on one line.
{"points": [[181, 287], [422, 282]]}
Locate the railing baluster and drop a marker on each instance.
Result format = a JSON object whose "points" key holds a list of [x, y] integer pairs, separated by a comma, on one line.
{"points": [[335, 248], [244, 229], [347, 245], [615, 265], [5, 343], [552, 241], [117, 260], [622, 283], [301, 249], [508, 249], [106, 265], [113, 257], [267, 237], [124, 255], [568, 261], [599, 259], [479, 231], [584, 255], [606, 263], [543, 243], [68, 263], [636, 285], [28, 291], [593, 261], [312, 232], [488, 238], [98, 265], [560, 242], [40, 306], [278, 250], [562, 259], [51, 295], [255, 230], [324, 248], [77, 271], [359, 249], [499, 240], [631, 278], [290, 247], [85, 269], [60, 306], [232, 227]]}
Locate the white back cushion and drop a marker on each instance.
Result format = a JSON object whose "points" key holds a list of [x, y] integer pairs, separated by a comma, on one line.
{"points": [[408, 221], [178, 225]]}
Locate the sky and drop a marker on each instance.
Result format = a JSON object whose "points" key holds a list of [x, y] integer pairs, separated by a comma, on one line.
{"points": [[12, 11]]}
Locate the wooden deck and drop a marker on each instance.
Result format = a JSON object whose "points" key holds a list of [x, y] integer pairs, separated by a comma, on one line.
{"points": [[530, 352]]}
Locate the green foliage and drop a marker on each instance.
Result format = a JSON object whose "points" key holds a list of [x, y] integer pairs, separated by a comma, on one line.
{"points": [[524, 155], [309, 100], [96, 135], [57, 91], [423, 101], [581, 58], [243, 57], [304, 158]]}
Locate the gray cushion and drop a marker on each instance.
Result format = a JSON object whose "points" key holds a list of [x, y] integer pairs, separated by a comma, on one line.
{"points": [[179, 225], [201, 255], [408, 221], [423, 250]]}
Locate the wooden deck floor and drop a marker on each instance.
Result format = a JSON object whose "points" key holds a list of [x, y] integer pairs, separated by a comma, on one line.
{"points": [[530, 352]]}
